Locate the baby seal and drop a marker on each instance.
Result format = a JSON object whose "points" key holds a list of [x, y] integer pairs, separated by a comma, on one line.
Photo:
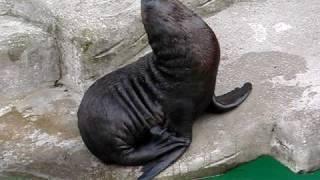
{"points": [[142, 114]]}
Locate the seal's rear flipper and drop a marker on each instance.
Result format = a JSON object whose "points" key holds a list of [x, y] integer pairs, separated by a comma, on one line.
{"points": [[153, 168], [230, 100]]}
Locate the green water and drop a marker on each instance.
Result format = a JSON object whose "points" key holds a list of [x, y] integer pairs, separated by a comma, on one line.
{"points": [[264, 168]]}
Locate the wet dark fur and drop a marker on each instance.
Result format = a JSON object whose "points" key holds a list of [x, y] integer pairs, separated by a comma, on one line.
{"points": [[142, 114]]}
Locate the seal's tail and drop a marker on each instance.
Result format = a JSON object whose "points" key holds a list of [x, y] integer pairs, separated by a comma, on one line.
{"points": [[153, 168], [230, 100]]}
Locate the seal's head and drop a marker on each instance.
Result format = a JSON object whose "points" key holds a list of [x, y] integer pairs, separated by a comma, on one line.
{"points": [[174, 31], [164, 23]]}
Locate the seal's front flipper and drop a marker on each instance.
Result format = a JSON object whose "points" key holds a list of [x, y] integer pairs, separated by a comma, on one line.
{"points": [[230, 100], [153, 168], [161, 142]]}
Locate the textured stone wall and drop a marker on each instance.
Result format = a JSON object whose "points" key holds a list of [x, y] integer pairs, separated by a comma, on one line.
{"points": [[94, 37], [29, 57], [51, 51]]}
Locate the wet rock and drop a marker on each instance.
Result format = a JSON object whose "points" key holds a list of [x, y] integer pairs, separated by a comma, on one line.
{"points": [[295, 138], [266, 45]]}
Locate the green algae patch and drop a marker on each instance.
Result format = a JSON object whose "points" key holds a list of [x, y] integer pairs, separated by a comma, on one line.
{"points": [[264, 168]]}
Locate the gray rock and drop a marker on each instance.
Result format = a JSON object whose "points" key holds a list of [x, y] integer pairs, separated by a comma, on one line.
{"points": [[4, 7], [274, 44], [29, 57], [96, 37], [280, 55]]}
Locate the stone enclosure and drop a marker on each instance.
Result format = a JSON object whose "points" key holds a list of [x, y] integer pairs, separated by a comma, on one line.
{"points": [[51, 51]]}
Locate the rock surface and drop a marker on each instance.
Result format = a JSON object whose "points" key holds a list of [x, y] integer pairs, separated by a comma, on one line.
{"points": [[29, 57], [274, 44], [95, 36]]}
